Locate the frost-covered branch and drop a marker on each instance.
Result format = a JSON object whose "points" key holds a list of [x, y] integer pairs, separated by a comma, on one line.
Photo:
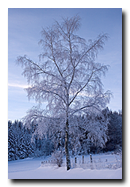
{"points": [[81, 89], [32, 69], [96, 103]]}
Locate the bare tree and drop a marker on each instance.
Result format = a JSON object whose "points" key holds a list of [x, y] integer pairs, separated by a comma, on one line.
{"points": [[66, 75]]}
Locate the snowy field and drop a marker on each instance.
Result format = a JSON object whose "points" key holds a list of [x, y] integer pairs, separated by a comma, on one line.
{"points": [[104, 166]]}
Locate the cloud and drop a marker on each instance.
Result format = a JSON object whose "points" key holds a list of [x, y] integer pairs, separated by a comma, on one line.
{"points": [[17, 85]]}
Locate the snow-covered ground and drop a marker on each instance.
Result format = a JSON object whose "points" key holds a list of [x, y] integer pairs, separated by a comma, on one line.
{"points": [[33, 169]]}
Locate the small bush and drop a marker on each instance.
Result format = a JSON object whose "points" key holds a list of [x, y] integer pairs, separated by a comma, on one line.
{"points": [[58, 157]]}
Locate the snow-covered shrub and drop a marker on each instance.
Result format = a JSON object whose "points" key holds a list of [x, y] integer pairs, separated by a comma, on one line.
{"points": [[57, 156]]}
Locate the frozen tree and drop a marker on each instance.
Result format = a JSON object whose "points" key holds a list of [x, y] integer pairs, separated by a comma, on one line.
{"points": [[66, 75], [87, 130], [97, 130], [114, 131], [11, 142]]}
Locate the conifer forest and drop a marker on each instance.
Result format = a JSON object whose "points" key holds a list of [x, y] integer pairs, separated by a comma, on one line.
{"points": [[88, 134]]}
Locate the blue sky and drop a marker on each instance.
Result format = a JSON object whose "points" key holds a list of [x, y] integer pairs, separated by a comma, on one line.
{"points": [[24, 27]]}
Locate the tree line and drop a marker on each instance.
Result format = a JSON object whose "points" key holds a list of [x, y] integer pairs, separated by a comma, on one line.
{"points": [[91, 133]]}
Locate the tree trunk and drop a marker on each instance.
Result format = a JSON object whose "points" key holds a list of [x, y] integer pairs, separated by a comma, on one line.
{"points": [[66, 146]]}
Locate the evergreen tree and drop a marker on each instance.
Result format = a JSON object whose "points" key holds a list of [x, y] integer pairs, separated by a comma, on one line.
{"points": [[11, 146], [114, 131]]}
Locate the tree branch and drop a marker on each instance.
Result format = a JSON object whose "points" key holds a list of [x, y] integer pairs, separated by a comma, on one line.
{"points": [[97, 43], [81, 89], [87, 106], [51, 92], [81, 109], [20, 59]]}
